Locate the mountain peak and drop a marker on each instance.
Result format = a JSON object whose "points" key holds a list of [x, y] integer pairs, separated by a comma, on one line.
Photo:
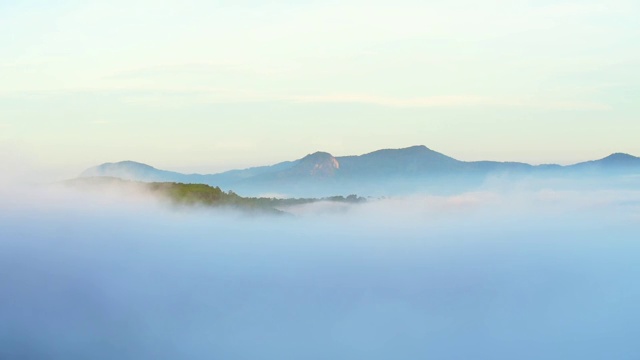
{"points": [[129, 163], [620, 160], [317, 156], [620, 157], [415, 148], [128, 170], [614, 162], [117, 166], [318, 164]]}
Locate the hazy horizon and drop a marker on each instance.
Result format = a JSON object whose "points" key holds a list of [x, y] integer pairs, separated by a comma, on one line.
{"points": [[51, 173]]}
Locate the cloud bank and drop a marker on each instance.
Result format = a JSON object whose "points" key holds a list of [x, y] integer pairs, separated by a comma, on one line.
{"points": [[488, 275]]}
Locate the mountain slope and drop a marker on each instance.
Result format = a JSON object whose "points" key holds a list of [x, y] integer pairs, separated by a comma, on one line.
{"points": [[618, 163], [415, 160], [131, 170]]}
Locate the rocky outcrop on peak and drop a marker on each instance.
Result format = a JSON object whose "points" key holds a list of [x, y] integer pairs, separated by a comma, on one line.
{"points": [[318, 164]]}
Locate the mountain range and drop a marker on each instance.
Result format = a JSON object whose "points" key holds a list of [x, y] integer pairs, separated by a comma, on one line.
{"points": [[379, 173]]}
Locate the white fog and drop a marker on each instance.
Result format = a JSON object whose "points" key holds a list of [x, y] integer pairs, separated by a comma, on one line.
{"points": [[519, 274]]}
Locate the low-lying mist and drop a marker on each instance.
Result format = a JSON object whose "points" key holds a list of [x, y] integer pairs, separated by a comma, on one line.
{"points": [[499, 273]]}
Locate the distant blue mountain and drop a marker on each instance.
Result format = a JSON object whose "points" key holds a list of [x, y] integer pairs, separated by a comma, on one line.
{"points": [[131, 170], [382, 172], [613, 164]]}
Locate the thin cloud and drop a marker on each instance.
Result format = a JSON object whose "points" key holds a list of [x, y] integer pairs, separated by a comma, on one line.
{"points": [[577, 9], [101, 122], [449, 101], [186, 96], [203, 95]]}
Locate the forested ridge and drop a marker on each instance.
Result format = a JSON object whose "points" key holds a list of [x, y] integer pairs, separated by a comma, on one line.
{"points": [[205, 195]]}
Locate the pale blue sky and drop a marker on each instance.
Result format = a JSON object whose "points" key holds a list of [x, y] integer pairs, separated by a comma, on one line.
{"points": [[211, 85]]}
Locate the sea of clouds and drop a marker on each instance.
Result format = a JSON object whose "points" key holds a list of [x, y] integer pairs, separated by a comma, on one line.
{"points": [[517, 272]]}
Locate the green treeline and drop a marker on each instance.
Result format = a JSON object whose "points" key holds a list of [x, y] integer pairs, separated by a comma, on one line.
{"points": [[204, 195], [209, 195]]}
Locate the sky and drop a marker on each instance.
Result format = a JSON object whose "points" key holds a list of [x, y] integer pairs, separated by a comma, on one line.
{"points": [[206, 86]]}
